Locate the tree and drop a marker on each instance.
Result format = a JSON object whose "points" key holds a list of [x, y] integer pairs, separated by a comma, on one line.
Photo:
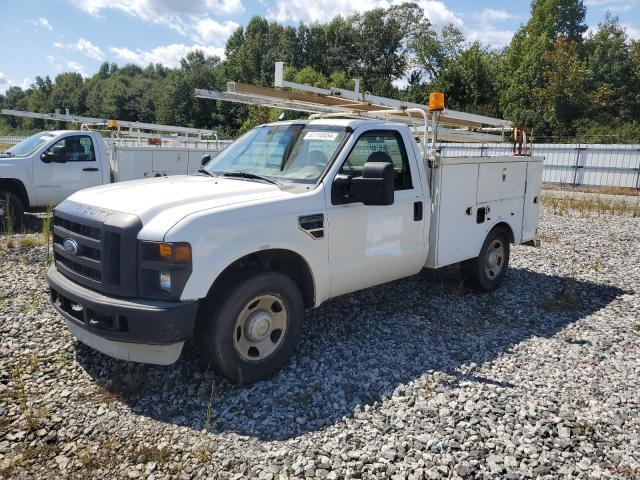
{"points": [[470, 81], [614, 80], [523, 68], [563, 98]]}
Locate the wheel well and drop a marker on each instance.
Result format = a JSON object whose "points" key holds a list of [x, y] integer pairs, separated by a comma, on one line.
{"points": [[17, 188], [506, 228], [282, 261]]}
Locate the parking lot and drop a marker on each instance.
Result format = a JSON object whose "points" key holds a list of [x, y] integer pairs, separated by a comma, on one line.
{"points": [[420, 378]]}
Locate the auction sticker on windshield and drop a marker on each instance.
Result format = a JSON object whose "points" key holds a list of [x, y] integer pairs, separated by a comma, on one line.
{"points": [[321, 136]]}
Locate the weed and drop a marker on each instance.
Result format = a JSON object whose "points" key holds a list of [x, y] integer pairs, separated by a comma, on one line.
{"points": [[565, 299], [560, 205], [148, 453], [548, 237], [628, 191], [636, 327], [101, 455], [597, 264], [34, 417], [46, 231], [204, 452], [212, 396], [28, 242], [63, 360], [11, 244]]}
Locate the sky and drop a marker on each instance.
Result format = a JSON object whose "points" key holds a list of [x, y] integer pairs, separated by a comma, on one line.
{"points": [[46, 37]]}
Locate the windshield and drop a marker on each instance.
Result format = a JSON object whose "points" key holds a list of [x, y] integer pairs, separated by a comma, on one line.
{"points": [[288, 152], [30, 145]]}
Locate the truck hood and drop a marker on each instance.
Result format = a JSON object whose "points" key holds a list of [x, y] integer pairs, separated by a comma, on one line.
{"points": [[166, 200]]}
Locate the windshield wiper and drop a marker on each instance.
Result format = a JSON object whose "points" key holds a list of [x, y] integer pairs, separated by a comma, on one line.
{"points": [[250, 176], [206, 172]]}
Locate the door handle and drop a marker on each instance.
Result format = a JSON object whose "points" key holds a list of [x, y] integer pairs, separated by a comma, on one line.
{"points": [[90, 169], [417, 211]]}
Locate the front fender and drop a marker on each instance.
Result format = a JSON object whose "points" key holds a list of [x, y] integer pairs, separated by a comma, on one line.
{"points": [[221, 237], [18, 170]]}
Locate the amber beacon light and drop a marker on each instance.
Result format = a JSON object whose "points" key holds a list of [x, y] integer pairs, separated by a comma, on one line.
{"points": [[436, 101]]}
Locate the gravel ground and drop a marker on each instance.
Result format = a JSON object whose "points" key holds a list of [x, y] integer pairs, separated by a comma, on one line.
{"points": [[419, 378]]}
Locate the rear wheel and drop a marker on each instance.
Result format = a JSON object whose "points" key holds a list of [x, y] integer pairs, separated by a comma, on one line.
{"points": [[11, 212], [486, 272], [250, 327]]}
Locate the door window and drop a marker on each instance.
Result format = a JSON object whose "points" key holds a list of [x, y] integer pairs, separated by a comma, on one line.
{"points": [[74, 149], [380, 146]]}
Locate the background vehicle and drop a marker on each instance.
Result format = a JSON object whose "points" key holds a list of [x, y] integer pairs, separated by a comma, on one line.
{"points": [[49, 166], [288, 216]]}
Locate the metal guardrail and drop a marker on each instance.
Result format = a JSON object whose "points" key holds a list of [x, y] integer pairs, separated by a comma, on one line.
{"points": [[11, 139]]}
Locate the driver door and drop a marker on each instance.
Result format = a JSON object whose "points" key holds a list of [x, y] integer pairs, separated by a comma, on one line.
{"points": [[76, 169], [373, 244]]}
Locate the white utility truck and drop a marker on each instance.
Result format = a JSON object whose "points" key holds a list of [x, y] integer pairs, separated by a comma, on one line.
{"points": [[290, 215], [49, 166]]}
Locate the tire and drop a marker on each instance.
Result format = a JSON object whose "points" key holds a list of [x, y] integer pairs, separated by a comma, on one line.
{"points": [[11, 203], [237, 329], [486, 272]]}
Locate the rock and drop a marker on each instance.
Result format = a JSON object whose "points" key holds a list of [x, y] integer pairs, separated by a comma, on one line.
{"points": [[62, 461]]}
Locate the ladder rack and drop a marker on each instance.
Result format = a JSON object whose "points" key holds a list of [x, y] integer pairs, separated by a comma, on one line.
{"points": [[448, 125], [118, 127]]}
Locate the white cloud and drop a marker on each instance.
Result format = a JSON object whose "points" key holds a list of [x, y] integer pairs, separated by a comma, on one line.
{"points": [[182, 16], [489, 15], [213, 33], [83, 46], [64, 64], [167, 55], [613, 5], [41, 22], [6, 83], [89, 49], [324, 10], [633, 32]]}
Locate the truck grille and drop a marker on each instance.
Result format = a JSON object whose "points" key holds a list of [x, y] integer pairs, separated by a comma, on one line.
{"points": [[98, 254]]}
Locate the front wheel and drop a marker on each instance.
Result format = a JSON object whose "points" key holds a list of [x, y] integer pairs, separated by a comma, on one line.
{"points": [[486, 272], [11, 212], [250, 327]]}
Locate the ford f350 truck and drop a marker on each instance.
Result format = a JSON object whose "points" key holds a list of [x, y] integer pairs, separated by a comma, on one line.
{"points": [[290, 215], [47, 167]]}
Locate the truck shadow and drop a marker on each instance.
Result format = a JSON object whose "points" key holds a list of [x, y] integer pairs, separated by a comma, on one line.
{"points": [[358, 350]]}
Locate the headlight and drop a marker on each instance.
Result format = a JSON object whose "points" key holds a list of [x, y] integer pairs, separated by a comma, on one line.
{"points": [[164, 269]]}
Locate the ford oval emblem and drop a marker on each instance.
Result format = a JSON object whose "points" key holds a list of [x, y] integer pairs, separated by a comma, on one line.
{"points": [[70, 246]]}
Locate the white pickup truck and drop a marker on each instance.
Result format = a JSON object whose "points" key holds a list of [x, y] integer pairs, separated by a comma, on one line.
{"points": [[49, 166], [290, 215]]}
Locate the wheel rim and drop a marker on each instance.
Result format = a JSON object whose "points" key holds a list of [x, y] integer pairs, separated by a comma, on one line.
{"points": [[494, 259], [3, 210], [260, 328]]}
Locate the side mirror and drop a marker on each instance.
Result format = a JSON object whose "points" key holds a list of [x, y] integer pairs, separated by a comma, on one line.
{"points": [[55, 157], [205, 159], [374, 187]]}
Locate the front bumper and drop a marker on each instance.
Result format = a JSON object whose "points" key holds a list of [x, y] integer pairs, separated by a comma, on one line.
{"points": [[146, 331]]}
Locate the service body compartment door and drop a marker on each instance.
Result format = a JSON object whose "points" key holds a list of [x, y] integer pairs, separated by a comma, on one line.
{"points": [[170, 161], [500, 181], [532, 200], [454, 230]]}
